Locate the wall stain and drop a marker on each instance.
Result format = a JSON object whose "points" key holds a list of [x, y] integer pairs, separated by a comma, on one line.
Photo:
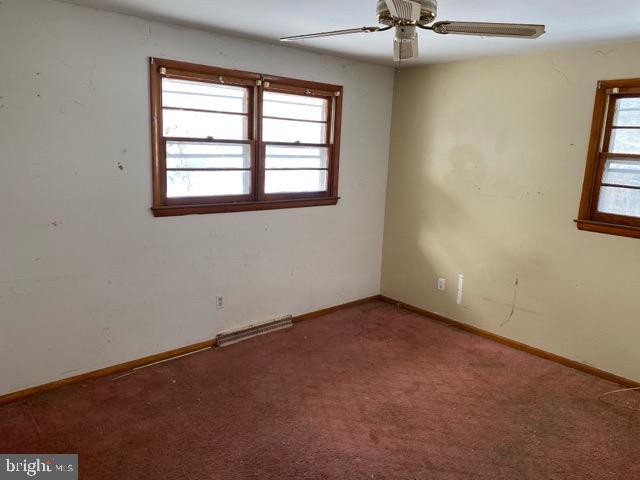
{"points": [[91, 74], [18, 281], [557, 70], [508, 197], [466, 164], [513, 304], [509, 305], [20, 290]]}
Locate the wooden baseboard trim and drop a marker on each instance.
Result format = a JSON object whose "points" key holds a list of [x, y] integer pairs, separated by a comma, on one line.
{"points": [[104, 372], [326, 311], [158, 357], [515, 344]]}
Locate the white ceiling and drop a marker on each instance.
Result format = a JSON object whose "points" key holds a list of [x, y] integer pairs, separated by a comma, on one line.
{"points": [[569, 22]]}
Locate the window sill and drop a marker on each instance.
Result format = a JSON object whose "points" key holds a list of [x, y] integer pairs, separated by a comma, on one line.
{"points": [[175, 210], [608, 228]]}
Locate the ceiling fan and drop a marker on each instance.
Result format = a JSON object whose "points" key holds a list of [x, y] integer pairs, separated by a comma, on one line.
{"points": [[407, 15]]}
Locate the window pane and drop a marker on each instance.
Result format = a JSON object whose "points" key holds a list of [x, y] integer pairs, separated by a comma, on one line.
{"points": [[283, 181], [207, 155], [204, 96], [179, 123], [296, 157], [627, 112], [294, 106], [625, 140], [619, 201], [622, 172], [204, 184], [292, 132]]}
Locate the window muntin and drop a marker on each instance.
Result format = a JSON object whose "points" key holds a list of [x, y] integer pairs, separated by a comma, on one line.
{"points": [[227, 140], [611, 192]]}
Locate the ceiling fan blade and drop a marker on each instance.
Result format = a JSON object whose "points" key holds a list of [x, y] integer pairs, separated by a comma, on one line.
{"points": [[404, 10], [333, 33], [405, 44], [511, 30]]}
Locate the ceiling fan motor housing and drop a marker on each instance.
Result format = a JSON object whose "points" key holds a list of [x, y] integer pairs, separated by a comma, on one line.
{"points": [[428, 12]]}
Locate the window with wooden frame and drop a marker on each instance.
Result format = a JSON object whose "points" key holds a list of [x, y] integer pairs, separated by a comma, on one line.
{"points": [[611, 192], [226, 140]]}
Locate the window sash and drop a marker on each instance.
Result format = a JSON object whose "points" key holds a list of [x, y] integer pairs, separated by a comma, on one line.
{"points": [[250, 140]]}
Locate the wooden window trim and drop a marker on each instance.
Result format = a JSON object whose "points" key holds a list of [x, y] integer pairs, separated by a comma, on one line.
{"points": [[256, 84], [589, 218]]}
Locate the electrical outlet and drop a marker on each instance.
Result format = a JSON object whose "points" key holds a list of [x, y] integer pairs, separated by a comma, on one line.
{"points": [[219, 302], [442, 284]]}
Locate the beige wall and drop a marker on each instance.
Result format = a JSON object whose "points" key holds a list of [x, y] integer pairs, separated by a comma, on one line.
{"points": [[486, 168]]}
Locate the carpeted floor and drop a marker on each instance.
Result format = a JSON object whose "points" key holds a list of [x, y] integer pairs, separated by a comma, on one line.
{"points": [[366, 393]]}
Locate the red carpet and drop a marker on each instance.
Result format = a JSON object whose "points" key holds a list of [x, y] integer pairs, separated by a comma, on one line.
{"points": [[365, 393]]}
